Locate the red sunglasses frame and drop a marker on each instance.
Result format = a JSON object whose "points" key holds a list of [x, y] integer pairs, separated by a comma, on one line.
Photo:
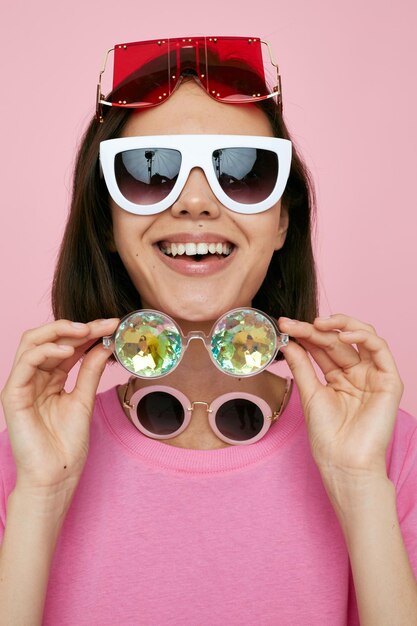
{"points": [[238, 58]]}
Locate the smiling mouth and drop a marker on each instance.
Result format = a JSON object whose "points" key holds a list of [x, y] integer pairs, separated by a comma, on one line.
{"points": [[199, 251]]}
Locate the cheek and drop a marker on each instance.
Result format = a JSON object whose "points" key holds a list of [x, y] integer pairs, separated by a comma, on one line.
{"points": [[262, 231], [128, 231]]}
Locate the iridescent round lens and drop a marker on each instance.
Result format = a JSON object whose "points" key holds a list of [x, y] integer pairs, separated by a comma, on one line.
{"points": [[244, 342], [148, 344]]}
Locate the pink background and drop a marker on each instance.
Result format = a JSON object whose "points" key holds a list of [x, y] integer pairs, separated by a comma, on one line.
{"points": [[348, 72]]}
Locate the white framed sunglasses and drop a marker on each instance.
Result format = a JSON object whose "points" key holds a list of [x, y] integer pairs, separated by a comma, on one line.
{"points": [[145, 175]]}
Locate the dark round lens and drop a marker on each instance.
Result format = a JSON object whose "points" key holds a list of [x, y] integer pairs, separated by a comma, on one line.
{"points": [[160, 413], [246, 175], [147, 175], [240, 420]]}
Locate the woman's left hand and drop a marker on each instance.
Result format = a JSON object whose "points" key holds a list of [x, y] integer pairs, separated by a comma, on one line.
{"points": [[350, 420]]}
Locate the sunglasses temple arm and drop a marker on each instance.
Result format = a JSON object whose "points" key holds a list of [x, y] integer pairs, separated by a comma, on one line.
{"points": [[108, 342], [126, 402], [278, 87], [99, 115], [283, 339]]}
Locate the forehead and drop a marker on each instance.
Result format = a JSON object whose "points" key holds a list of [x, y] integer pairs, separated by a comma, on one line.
{"points": [[191, 111]]}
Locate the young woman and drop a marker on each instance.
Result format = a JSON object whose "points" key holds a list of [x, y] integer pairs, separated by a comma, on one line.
{"points": [[206, 489]]}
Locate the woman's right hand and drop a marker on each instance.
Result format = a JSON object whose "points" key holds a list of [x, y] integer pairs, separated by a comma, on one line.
{"points": [[48, 427]]}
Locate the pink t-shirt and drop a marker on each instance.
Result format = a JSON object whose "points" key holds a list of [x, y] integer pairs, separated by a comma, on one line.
{"points": [[159, 535]]}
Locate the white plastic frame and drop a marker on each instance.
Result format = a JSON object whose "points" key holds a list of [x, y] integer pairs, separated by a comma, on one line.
{"points": [[196, 151]]}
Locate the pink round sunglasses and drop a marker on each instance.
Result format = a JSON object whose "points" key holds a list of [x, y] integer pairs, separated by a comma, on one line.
{"points": [[162, 412]]}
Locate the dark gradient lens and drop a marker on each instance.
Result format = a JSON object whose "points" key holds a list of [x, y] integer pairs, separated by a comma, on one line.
{"points": [[246, 175], [240, 420], [160, 413], [147, 175]]}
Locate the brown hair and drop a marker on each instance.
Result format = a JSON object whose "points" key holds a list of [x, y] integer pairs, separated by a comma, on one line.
{"points": [[91, 282]]}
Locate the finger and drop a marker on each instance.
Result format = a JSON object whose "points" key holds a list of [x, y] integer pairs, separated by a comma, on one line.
{"points": [[50, 333], [33, 360], [343, 322], [71, 333], [81, 342], [343, 355], [89, 375], [340, 321], [321, 357], [302, 370], [99, 329], [376, 346]]}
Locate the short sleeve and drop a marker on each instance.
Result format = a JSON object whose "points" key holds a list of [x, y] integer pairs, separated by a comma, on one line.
{"points": [[7, 477], [403, 473]]}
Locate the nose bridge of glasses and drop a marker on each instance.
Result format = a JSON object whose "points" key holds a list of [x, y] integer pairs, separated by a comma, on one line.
{"points": [[199, 188], [196, 334], [200, 403], [191, 57]]}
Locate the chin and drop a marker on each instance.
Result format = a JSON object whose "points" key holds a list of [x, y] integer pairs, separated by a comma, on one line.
{"points": [[204, 311]]}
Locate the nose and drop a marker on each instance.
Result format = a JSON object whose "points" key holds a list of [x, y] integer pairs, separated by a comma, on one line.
{"points": [[196, 199]]}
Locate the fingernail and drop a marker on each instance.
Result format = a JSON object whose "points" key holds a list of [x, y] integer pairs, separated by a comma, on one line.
{"points": [[78, 325], [323, 317], [63, 347], [107, 320]]}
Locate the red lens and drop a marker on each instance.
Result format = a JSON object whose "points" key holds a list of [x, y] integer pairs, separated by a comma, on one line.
{"points": [[234, 68], [141, 73], [160, 413], [239, 420]]}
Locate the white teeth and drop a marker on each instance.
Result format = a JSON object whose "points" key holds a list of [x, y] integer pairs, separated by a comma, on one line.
{"points": [[191, 248], [202, 248]]}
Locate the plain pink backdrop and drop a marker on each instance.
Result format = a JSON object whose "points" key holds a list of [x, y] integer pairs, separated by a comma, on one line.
{"points": [[348, 72]]}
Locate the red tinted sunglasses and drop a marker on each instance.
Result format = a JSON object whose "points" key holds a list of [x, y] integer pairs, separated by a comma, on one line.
{"points": [[230, 69]]}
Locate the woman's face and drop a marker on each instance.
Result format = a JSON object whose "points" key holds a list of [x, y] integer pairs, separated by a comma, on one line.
{"points": [[181, 286]]}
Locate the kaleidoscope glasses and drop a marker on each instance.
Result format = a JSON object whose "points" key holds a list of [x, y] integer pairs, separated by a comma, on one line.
{"points": [[150, 344], [230, 69], [145, 175], [237, 418]]}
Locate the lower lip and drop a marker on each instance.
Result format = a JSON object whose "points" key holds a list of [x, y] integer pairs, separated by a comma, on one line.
{"points": [[186, 265]]}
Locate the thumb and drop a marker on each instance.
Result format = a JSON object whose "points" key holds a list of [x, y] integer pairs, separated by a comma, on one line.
{"points": [[91, 370], [302, 369]]}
